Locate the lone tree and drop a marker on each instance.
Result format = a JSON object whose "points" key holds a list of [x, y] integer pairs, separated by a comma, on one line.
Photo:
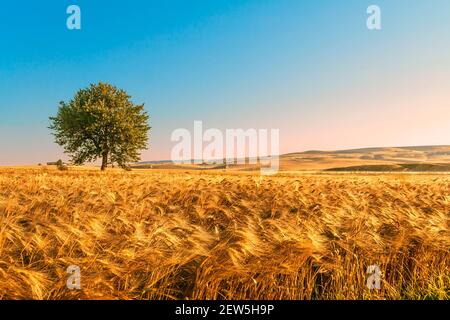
{"points": [[101, 122]]}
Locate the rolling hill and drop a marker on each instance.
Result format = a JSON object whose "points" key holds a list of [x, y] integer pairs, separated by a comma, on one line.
{"points": [[414, 159]]}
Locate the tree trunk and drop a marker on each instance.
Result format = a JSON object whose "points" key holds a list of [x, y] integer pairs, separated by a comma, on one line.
{"points": [[104, 160]]}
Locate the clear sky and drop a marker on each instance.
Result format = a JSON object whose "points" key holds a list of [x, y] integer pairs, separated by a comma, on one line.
{"points": [[310, 68]]}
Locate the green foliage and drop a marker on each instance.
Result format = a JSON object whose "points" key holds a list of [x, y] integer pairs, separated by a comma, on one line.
{"points": [[101, 122]]}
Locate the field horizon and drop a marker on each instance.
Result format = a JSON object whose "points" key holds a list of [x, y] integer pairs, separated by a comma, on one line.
{"points": [[371, 159]]}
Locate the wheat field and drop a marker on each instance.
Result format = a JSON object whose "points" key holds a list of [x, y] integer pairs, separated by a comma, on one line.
{"points": [[216, 235]]}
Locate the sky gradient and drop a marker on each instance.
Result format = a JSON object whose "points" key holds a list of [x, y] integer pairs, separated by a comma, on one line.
{"points": [[309, 68]]}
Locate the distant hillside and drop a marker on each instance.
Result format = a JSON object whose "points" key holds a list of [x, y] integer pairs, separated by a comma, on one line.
{"points": [[409, 167], [416, 158], [388, 157]]}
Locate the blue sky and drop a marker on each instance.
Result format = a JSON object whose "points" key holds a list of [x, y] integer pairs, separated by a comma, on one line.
{"points": [[310, 68]]}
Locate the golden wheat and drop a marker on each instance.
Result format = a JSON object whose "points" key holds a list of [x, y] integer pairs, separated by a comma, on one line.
{"points": [[185, 235]]}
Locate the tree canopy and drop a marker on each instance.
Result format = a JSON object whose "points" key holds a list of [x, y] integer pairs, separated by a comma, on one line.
{"points": [[101, 122]]}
